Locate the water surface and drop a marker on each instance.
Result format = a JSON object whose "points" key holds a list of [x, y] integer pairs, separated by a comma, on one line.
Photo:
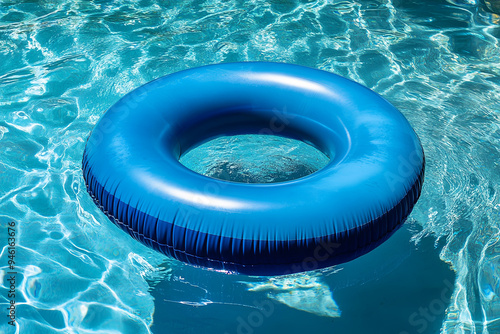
{"points": [[63, 63]]}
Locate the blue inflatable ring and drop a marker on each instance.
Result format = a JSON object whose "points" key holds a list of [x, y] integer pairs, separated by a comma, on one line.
{"points": [[374, 177]]}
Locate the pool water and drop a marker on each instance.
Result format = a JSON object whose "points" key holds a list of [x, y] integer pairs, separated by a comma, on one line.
{"points": [[63, 63], [254, 158]]}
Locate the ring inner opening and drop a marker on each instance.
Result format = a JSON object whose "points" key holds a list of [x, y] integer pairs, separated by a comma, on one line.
{"points": [[254, 158]]}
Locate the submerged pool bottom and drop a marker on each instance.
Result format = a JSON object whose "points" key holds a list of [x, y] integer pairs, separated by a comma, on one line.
{"points": [[254, 158], [65, 62]]}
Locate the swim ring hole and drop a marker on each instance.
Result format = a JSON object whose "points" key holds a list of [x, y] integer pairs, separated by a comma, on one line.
{"points": [[254, 158]]}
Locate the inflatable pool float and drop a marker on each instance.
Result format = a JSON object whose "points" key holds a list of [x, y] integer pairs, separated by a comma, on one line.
{"points": [[367, 190]]}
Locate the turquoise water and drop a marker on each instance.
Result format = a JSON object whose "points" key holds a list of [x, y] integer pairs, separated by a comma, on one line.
{"points": [[254, 158], [63, 63]]}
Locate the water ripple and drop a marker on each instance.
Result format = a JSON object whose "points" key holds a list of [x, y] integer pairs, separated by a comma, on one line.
{"points": [[62, 64]]}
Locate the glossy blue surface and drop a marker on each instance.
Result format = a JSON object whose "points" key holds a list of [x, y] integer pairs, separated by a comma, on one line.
{"points": [[131, 166]]}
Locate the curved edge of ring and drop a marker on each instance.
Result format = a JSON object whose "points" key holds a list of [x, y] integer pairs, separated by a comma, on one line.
{"points": [[309, 254]]}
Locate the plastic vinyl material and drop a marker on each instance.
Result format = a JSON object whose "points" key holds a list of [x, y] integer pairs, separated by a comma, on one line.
{"points": [[374, 177]]}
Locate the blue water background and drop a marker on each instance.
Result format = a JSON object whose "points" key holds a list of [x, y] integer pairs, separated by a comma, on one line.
{"points": [[63, 63]]}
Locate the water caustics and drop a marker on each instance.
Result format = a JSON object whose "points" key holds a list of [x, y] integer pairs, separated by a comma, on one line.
{"points": [[63, 63]]}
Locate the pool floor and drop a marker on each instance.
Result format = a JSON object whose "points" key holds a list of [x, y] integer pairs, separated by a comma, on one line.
{"points": [[64, 63]]}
